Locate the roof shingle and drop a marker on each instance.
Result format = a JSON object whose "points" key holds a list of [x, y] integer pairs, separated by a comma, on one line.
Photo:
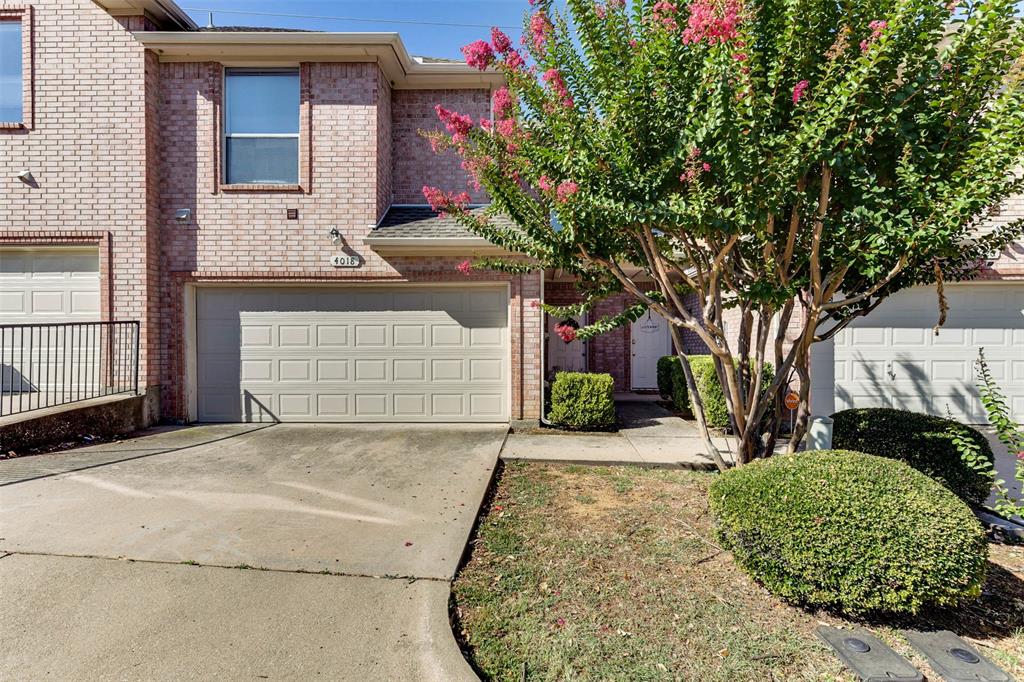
{"points": [[422, 222]]}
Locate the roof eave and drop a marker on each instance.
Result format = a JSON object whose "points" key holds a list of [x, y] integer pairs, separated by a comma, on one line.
{"points": [[387, 49], [164, 13], [434, 246]]}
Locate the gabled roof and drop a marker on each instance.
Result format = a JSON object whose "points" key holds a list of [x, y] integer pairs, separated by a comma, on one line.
{"points": [[255, 46], [420, 230]]}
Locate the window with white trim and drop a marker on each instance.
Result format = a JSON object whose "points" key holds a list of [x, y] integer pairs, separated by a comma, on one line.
{"points": [[12, 104], [261, 126]]}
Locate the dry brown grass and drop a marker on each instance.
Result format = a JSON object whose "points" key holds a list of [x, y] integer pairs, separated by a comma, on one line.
{"points": [[614, 574]]}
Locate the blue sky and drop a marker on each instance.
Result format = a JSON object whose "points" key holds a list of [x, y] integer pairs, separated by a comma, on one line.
{"points": [[389, 15], [420, 39]]}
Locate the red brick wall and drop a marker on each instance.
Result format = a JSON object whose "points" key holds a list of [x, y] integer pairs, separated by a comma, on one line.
{"points": [[244, 236], [385, 184], [608, 353], [1010, 264], [86, 149], [415, 163]]}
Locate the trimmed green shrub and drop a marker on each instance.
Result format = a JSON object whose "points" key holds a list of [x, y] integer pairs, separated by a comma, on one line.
{"points": [[583, 401], [667, 365], [850, 531], [715, 408], [672, 383], [680, 391], [923, 441]]}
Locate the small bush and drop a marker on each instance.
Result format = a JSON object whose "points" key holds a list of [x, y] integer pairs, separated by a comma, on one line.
{"points": [[850, 531], [583, 401], [680, 391], [923, 441], [667, 366], [672, 383], [715, 408]]}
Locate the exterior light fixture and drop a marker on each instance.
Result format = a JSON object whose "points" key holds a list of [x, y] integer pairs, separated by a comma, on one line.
{"points": [[27, 177], [183, 215], [335, 236]]}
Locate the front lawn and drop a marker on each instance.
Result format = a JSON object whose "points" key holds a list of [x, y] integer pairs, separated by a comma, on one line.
{"points": [[615, 574]]}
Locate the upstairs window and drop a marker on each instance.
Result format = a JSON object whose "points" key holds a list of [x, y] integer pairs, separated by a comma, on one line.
{"points": [[261, 126], [12, 105]]}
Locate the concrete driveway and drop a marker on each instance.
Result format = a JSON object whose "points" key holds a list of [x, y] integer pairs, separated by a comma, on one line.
{"points": [[187, 553]]}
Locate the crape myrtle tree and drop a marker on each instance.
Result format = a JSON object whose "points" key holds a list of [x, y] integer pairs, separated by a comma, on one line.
{"points": [[791, 164]]}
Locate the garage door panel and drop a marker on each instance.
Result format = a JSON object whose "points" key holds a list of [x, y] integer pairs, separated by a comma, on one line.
{"points": [[339, 359], [921, 371]]}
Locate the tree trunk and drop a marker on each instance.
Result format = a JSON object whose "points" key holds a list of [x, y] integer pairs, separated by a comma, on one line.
{"points": [[698, 404]]}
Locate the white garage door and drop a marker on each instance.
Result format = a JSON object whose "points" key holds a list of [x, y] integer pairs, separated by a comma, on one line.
{"points": [[353, 354], [892, 358], [49, 285], [44, 286]]}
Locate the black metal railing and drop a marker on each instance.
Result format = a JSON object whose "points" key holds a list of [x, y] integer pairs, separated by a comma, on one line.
{"points": [[50, 364]]}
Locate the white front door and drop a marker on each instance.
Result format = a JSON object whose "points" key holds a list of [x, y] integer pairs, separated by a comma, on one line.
{"points": [[650, 341], [562, 356]]}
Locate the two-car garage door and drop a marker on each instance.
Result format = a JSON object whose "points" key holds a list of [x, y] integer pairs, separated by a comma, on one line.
{"points": [[352, 354], [892, 358]]}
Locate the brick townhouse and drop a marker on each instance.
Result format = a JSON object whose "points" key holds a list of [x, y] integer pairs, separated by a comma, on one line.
{"points": [[253, 199]]}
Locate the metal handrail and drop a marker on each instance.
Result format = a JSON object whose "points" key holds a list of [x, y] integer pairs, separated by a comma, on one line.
{"points": [[47, 364]]}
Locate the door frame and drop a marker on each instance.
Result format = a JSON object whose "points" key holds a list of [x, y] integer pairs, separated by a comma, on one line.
{"points": [[667, 350]]}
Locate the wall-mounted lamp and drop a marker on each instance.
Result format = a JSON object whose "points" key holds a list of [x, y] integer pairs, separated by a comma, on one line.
{"points": [[183, 215], [27, 177], [335, 236]]}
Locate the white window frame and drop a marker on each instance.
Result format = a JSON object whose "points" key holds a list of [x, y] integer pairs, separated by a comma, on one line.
{"points": [[225, 135]]}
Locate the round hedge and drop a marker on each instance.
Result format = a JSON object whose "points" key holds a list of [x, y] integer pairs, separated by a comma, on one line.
{"points": [[850, 531], [923, 441]]}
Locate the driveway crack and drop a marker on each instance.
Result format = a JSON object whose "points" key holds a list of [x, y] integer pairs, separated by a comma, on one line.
{"points": [[237, 567]]}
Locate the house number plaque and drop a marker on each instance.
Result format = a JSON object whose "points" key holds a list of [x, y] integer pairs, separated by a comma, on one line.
{"points": [[346, 261]]}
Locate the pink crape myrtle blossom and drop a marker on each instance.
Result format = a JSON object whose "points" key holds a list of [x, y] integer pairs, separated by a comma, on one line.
{"points": [[503, 103], [465, 267], [478, 54], [567, 333], [514, 61], [877, 28], [694, 170], [474, 167], [557, 84], [799, 89], [540, 31], [544, 182], [499, 41], [713, 22], [506, 127], [664, 13], [565, 190], [457, 124], [600, 10], [442, 202]]}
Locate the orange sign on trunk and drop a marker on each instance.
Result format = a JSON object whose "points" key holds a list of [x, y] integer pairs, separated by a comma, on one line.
{"points": [[792, 400]]}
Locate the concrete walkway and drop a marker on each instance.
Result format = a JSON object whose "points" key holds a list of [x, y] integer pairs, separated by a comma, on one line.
{"points": [[190, 553], [649, 435]]}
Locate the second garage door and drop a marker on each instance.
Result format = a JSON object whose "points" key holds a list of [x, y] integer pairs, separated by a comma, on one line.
{"points": [[892, 358], [353, 354]]}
